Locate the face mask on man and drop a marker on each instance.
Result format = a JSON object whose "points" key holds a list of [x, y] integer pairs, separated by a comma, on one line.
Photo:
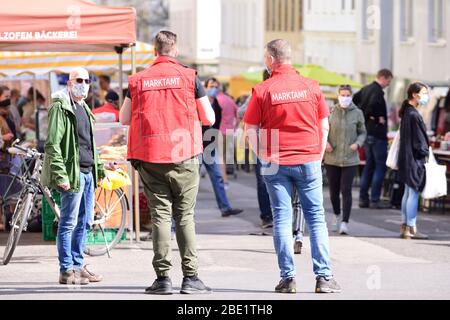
{"points": [[345, 102], [80, 90], [424, 99], [5, 103]]}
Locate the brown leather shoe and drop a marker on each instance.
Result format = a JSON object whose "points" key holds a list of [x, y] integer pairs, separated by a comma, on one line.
{"points": [[90, 275], [403, 230], [416, 234], [71, 278]]}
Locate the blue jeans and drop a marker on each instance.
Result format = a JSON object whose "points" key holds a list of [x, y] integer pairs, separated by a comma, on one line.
{"points": [[410, 204], [374, 170], [215, 174], [263, 196], [307, 178], [77, 215]]}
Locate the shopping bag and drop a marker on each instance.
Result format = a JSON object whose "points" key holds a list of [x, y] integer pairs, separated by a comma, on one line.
{"points": [[436, 179], [392, 158], [115, 180]]}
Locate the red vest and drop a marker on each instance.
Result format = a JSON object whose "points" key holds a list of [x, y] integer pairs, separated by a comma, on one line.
{"points": [[290, 115], [164, 127]]}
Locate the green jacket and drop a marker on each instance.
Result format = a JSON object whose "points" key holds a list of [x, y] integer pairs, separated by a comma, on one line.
{"points": [[346, 128], [62, 150]]}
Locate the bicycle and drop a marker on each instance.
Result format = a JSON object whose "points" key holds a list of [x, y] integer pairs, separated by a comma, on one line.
{"points": [[111, 213], [298, 225], [10, 187]]}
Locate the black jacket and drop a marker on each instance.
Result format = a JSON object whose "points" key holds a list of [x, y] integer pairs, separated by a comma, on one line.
{"points": [[370, 100], [413, 151], [218, 113]]}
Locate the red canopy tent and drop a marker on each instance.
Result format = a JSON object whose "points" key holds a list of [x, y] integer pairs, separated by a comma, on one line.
{"points": [[65, 25], [69, 25]]}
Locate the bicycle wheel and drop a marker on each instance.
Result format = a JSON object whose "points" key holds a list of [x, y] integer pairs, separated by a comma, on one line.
{"points": [[110, 214], [19, 219]]}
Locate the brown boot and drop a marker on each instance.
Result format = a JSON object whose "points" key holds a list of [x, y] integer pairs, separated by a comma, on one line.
{"points": [[90, 275], [72, 278], [403, 230], [416, 234]]}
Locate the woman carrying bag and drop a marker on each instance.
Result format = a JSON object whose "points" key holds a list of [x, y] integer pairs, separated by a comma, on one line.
{"points": [[412, 156], [347, 135]]}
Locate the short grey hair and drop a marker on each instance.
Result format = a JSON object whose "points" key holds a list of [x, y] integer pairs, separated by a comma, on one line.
{"points": [[279, 49]]}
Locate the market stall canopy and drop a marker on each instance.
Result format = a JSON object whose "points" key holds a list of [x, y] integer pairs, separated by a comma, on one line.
{"points": [[318, 73], [65, 25], [17, 62]]}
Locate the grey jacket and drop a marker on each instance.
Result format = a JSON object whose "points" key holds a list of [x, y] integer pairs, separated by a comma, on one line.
{"points": [[346, 128]]}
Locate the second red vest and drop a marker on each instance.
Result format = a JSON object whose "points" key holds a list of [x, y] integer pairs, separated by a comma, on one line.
{"points": [[164, 127]]}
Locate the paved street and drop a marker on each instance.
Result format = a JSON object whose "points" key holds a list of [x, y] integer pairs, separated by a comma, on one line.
{"points": [[238, 261]]}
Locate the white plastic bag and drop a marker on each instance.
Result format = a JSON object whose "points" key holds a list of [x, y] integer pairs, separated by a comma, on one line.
{"points": [[436, 179], [392, 158]]}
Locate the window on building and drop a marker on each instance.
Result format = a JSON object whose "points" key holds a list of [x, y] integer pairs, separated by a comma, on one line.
{"points": [[343, 5], [370, 19], [309, 5], [406, 20], [293, 15], [272, 16], [436, 24], [280, 15]]}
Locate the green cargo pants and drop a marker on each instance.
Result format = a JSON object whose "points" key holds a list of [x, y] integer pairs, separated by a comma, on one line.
{"points": [[171, 189]]}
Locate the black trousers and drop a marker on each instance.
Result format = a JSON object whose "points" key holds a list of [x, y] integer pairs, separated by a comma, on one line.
{"points": [[340, 180]]}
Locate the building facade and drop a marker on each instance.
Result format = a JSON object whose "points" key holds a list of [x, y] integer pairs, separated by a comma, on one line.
{"points": [[247, 25], [422, 40], [242, 41], [330, 35], [198, 26]]}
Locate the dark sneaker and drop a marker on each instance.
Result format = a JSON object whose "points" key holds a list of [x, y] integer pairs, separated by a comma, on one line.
{"points": [[72, 278], [380, 205], [286, 286], [193, 285], [231, 212], [266, 223], [161, 286], [91, 275], [363, 204], [324, 285]]}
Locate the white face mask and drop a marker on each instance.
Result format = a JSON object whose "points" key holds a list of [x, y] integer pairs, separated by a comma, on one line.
{"points": [[80, 90], [345, 102]]}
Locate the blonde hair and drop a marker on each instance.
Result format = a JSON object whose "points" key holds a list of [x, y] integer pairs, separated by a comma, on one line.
{"points": [[165, 42]]}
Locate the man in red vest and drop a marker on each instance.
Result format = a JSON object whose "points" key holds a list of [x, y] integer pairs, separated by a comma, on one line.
{"points": [[291, 115], [165, 107]]}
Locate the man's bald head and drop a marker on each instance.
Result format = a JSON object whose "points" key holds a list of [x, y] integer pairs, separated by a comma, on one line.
{"points": [[79, 73]]}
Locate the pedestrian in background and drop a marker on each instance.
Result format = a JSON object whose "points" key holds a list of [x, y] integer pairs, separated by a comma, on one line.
{"points": [[347, 135], [228, 127], [412, 156], [210, 156], [371, 101], [261, 189], [293, 115]]}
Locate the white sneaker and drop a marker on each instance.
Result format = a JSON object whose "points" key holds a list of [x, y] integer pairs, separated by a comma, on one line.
{"points": [[335, 226], [344, 228]]}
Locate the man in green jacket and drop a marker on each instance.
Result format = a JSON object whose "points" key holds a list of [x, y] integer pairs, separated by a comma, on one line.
{"points": [[72, 167]]}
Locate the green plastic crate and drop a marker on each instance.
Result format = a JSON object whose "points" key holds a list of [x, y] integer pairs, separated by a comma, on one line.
{"points": [[92, 237], [48, 216]]}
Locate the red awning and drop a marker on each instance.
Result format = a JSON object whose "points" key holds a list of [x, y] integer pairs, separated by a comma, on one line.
{"points": [[64, 25]]}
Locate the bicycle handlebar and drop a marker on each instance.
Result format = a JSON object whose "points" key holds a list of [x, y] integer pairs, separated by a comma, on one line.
{"points": [[29, 152]]}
